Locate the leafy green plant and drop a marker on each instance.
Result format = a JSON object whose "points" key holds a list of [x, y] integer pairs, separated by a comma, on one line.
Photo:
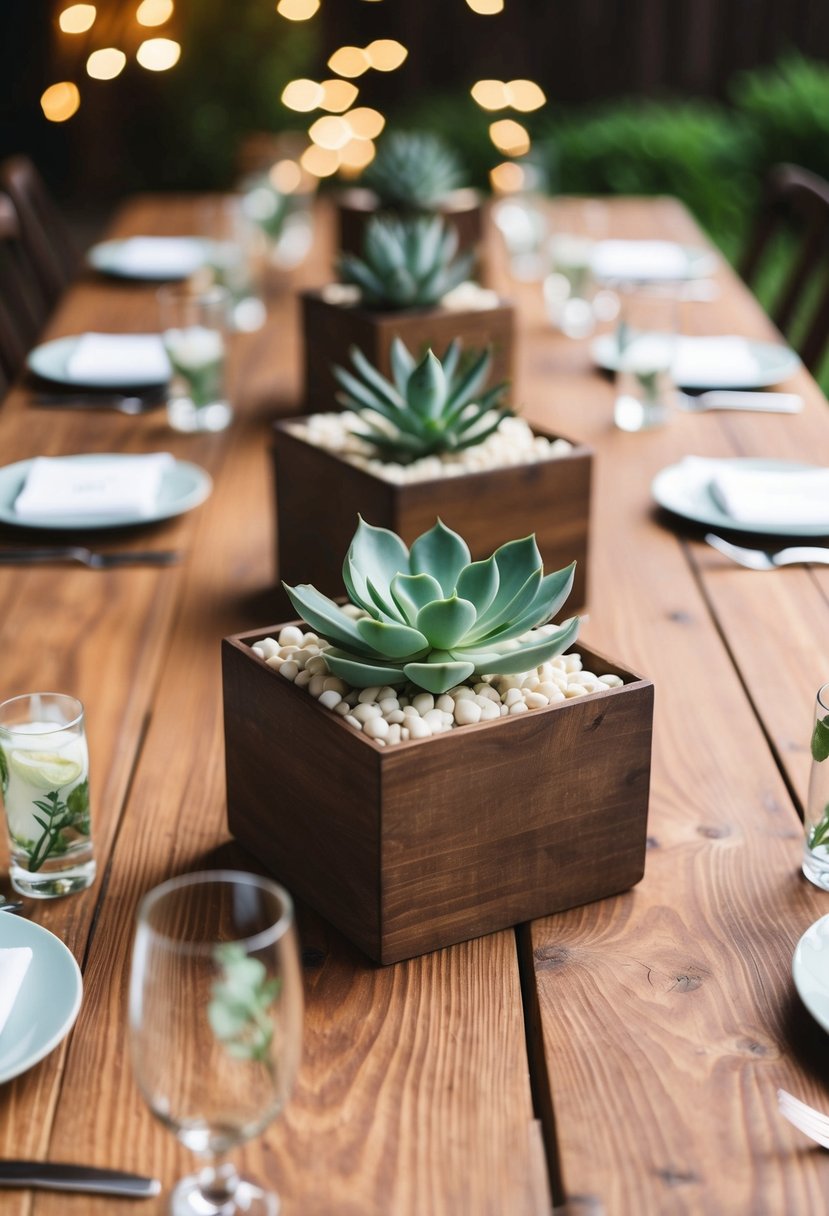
{"points": [[433, 616], [427, 408], [413, 170], [240, 1000], [57, 817], [786, 110], [406, 263]]}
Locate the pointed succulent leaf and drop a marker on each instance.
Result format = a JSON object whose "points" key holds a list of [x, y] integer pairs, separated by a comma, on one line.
{"points": [[359, 396], [438, 677], [375, 379], [441, 553], [412, 591], [383, 244], [472, 438], [489, 626], [362, 674], [450, 360], [472, 380], [516, 561], [324, 616], [426, 389], [402, 365], [378, 554], [381, 606], [551, 594], [478, 583], [351, 270], [446, 622], [392, 641], [423, 244], [534, 653]]}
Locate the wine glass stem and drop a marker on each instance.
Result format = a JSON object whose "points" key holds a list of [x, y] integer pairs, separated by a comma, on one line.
{"points": [[218, 1181]]}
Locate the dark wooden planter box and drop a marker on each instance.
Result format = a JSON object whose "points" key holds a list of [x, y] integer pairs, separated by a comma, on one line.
{"points": [[330, 330], [355, 207], [409, 848], [319, 495]]}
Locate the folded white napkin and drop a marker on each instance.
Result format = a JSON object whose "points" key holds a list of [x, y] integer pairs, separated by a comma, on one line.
{"points": [[724, 361], [159, 256], [80, 486], [794, 498], [641, 261], [14, 963], [119, 358]]}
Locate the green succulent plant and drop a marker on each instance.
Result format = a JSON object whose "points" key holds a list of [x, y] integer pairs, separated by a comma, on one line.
{"points": [[427, 408], [414, 170], [406, 263], [433, 616]]}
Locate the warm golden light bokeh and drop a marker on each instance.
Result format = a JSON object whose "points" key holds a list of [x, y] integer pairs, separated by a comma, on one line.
{"points": [[320, 162], [338, 95], [77, 19], [60, 101], [158, 54], [524, 95], [297, 10], [487, 8], [285, 176], [106, 63], [490, 94], [349, 61], [365, 122], [302, 95], [355, 155], [154, 12], [507, 178], [330, 132], [386, 54], [509, 137]]}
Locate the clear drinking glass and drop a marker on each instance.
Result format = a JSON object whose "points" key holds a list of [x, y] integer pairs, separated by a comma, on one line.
{"points": [[215, 1013], [568, 288], [236, 259], [44, 772], [816, 823], [646, 336], [193, 327]]}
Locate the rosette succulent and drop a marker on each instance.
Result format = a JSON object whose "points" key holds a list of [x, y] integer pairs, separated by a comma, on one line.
{"points": [[413, 169], [427, 408], [406, 263], [433, 616]]}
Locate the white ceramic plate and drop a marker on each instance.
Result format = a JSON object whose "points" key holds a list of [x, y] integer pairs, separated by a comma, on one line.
{"points": [[773, 361], [109, 258], [51, 361], [48, 1001], [685, 262], [183, 487], [810, 969], [684, 489]]}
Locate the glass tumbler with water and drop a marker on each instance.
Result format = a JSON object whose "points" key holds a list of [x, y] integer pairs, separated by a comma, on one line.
{"points": [[193, 326], [646, 337], [816, 822]]}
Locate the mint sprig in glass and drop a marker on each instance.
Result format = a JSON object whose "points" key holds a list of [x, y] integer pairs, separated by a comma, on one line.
{"points": [[816, 818]]}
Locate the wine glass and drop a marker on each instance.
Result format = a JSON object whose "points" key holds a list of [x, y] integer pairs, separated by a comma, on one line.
{"points": [[215, 1012]]}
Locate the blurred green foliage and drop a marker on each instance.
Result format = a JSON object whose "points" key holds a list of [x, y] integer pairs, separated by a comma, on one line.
{"points": [[785, 111]]}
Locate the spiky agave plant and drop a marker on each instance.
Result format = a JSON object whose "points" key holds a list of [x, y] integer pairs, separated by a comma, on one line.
{"points": [[413, 170], [427, 408], [406, 263], [433, 616]]}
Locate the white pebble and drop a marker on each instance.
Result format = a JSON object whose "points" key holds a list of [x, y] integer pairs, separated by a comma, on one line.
{"points": [[435, 718], [386, 691], [463, 693], [518, 707], [268, 646], [317, 666], [558, 695], [467, 712], [536, 700], [302, 656], [575, 690], [404, 734], [504, 711], [376, 728], [316, 684], [388, 705], [394, 734], [303, 679], [365, 712], [423, 702], [409, 711], [329, 698], [418, 728], [572, 662], [334, 684], [351, 696], [289, 669], [342, 708], [310, 639], [290, 636], [368, 694], [486, 690], [445, 703], [257, 650], [611, 681], [582, 677], [395, 716], [352, 721], [513, 696], [275, 661], [490, 710]]}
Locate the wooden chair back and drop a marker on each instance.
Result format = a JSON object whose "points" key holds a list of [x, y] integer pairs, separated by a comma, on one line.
{"points": [[43, 230], [22, 309], [798, 201]]}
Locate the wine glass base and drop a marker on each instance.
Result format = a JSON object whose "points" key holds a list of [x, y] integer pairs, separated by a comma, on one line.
{"points": [[191, 1199]]}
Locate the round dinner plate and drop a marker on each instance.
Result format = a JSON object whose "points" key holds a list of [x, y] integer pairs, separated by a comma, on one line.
{"points": [[183, 486], [48, 1001], [51, 361], [107, 258], [774, 362], [684, 489], [810, 969], [699, 264]]}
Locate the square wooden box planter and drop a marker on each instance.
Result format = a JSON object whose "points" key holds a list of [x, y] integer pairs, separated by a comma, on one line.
{"points": [[319, 496], [463, 209], [330, 330], [409, 848]]}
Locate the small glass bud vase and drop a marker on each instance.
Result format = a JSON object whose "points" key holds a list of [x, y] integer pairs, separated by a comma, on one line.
{"points": [[194, 327], [816, 820]]}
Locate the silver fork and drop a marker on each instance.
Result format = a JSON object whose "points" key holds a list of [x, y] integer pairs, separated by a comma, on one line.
{"points": [[740, 399], [762, 559], [95, 561], [805, 1118]]}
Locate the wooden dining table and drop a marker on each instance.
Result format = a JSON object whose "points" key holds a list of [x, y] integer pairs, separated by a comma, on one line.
{"points": [[620, 1058]]}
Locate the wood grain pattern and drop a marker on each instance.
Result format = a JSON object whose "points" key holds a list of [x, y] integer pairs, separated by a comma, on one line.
{"points": [[330, 331], [550, 498]]}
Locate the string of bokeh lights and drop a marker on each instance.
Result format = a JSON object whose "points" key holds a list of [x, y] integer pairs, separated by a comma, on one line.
{"points": [[341, 134]]}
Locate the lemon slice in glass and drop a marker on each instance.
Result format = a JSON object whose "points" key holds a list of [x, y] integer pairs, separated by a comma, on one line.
{"points": [[45, 770]]}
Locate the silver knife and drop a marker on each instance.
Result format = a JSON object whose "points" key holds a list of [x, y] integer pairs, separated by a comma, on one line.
{"points": [[53, 1176]]}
